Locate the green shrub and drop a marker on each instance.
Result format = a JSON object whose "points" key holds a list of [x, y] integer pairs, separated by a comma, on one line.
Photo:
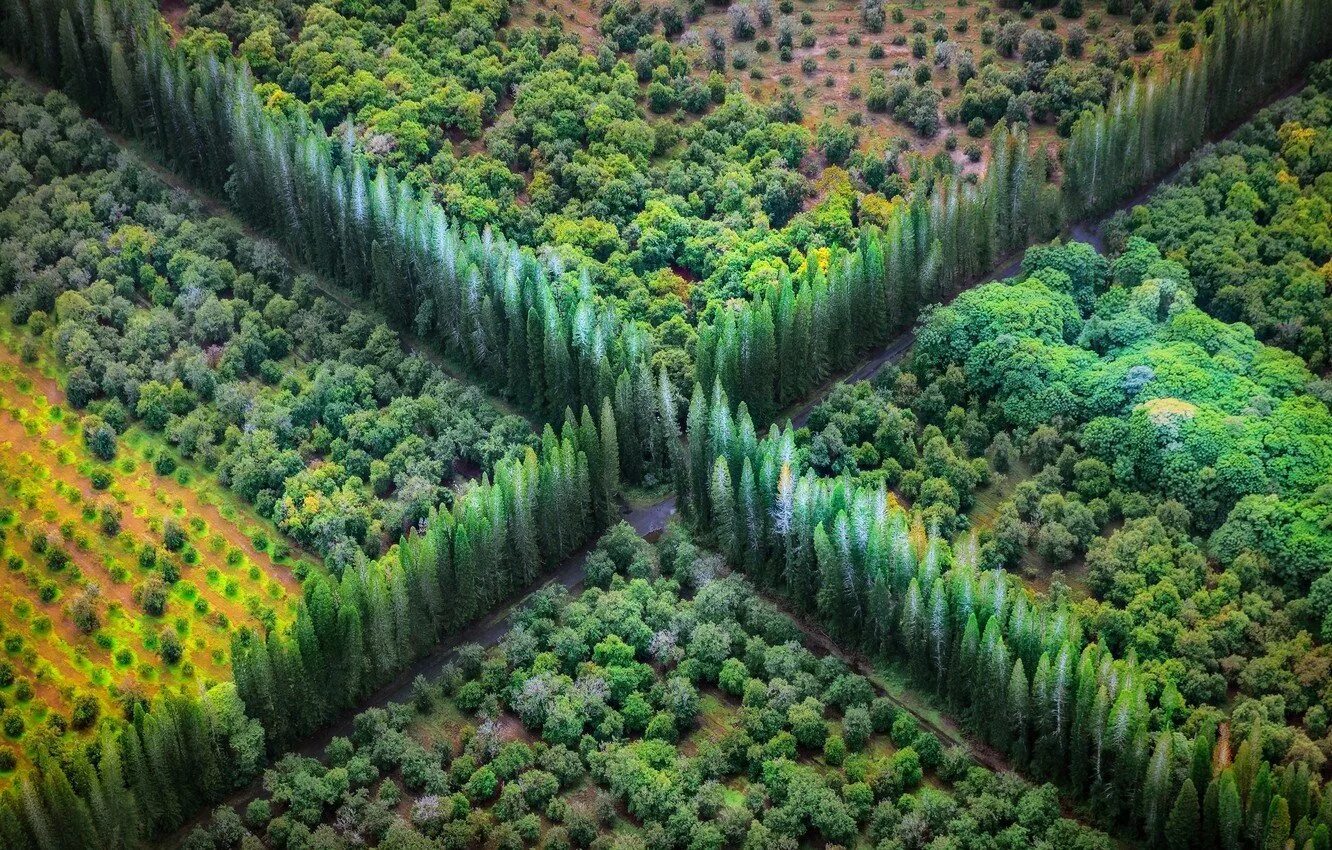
{"points": [[12, 723], [834, 750]]}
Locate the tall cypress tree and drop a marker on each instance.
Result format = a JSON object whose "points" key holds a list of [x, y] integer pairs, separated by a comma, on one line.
{"points": [[722, 508], [1019, 713], [1230, 813], [1278, 825], [1182, 827]]}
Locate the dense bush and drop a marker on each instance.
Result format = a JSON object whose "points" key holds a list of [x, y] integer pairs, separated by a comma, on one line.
{"points": [[1249, 219]]}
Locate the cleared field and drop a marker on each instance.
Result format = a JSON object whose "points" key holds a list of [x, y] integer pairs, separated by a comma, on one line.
{"points": [[834, 51], [117, 581]]}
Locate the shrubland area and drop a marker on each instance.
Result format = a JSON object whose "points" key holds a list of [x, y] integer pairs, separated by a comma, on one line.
{"points": [[248, 483], [118, 582]]}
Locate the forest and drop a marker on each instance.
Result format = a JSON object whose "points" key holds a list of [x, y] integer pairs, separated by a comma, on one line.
{"points": [[668, 694], [442, 424]]}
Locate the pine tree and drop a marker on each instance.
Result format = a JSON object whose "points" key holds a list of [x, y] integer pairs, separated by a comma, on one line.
{"points": [[13, 832], [1019, 712], [67, 813], [1230, 813], [699, 462], [1182, 825], [631, 445], [828, 600], [751, 515], [938, 632], [725, 526], [965, 667], [38, 821], [1210, 835], [763, 373], [1082, 730], [72, 64], [156, 751], [1258, 805], [912, 627], [1278, 825], [1200, 766], [118, 826], [353, 661], [1157, 790]]}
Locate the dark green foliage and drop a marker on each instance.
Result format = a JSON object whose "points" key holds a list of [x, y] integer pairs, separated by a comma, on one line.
{"points": [[354, 445], [494, 792]]}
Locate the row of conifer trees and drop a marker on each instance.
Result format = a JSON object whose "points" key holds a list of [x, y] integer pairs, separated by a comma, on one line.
{"points": [[354, 634], [1020, 669], [521, 321], [143, 778], [138, 781], [514, 319], [1152, 125], [776, 349]]}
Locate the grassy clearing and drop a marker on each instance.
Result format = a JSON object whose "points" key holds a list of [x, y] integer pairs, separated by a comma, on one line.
{"points": [[1036, 572]]}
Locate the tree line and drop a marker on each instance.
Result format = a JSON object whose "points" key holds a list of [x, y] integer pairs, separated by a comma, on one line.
{"points": [[145, 780], [517, 321], [776, 349], [354, 634], [1151, 125], [955, 231], [140, 777], [1072, 712], [523, 322], [1250, 241]]}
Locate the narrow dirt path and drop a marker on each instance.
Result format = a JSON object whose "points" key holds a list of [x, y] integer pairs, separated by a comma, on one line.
{"points": [[647, 520]]}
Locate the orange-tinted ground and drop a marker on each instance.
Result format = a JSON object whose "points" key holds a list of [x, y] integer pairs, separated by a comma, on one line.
{"points": [[235, 570]]}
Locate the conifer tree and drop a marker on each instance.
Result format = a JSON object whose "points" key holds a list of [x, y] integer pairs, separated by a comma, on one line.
{"points": [[939, 640], [1230, 813], [1200, 767], [1209, 834], [721, 501], [1019, 712], [39, 822], [1278, 825], [966, 669], [67, 814], [353, 663], [1258, 806], [1182, 825], [1157, 790]]}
